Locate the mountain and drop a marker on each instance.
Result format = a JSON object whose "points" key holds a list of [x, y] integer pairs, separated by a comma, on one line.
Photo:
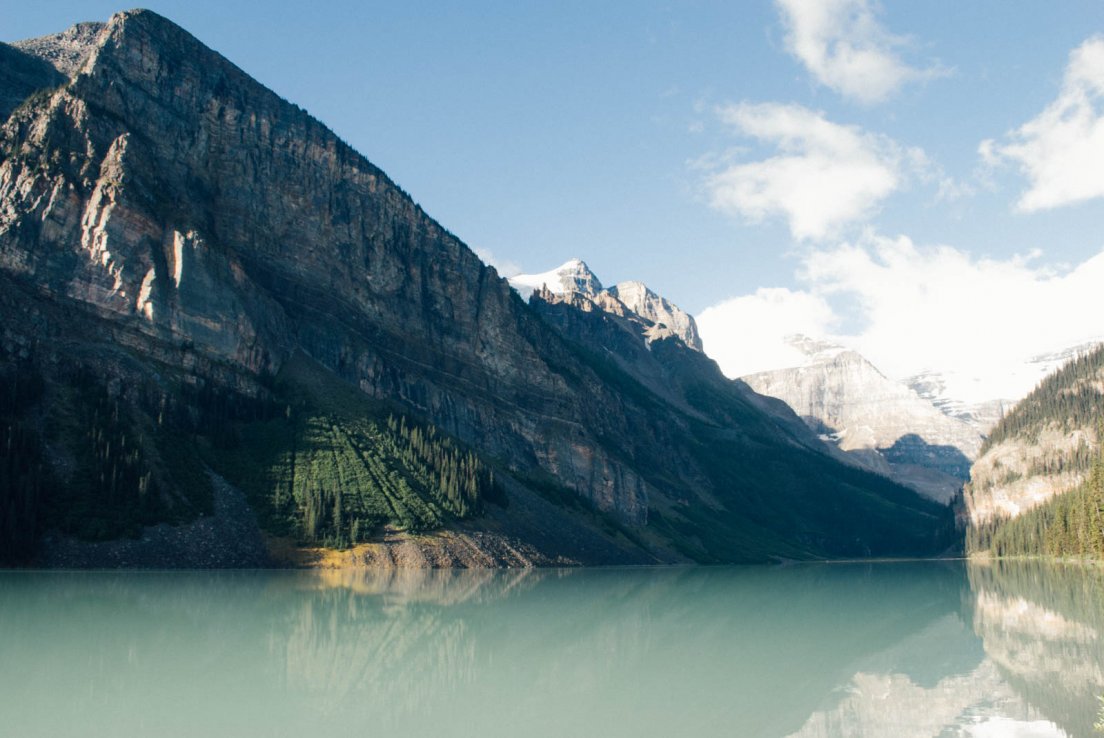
{"points": [[1038, 485], [575, 276], [882, 423], [660, 359], [933, 386], [214, 313], [637, 297], [571, 276]]}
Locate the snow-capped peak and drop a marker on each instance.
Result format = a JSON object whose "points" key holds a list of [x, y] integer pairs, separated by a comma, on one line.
{"points": [[571, 276]]}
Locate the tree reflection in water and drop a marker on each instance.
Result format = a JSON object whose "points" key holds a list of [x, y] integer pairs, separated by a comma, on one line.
{"points": [[904, 649]]}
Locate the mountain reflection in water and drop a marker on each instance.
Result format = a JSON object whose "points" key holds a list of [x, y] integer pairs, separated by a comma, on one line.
{"points": [[901, 649]]}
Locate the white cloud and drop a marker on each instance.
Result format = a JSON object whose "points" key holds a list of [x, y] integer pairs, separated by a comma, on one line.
{"points": [[825, 174], [744, 334], [505, 268], [1061, 151], [919, 308], [844, 47]]}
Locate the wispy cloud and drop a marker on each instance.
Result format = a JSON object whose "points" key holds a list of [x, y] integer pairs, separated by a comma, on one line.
{"points": [[915, 308], [505, 268], [845, 48], [1061, 151], [825, 175]]}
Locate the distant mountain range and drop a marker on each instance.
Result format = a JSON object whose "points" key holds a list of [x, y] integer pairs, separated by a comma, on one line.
{"points": [[881, 423], [924, 431], [228, 338]]}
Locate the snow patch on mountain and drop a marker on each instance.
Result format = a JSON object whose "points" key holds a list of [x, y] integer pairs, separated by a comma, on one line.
{"points": [[574, 276], [571, 276], [982, 402]]}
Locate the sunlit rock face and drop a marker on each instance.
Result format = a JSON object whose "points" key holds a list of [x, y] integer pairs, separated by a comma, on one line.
{"points": [[647, 304], [660, 317], [882, 423], [1009, 478], [1045, 446], [571, 276], [65, 51]]}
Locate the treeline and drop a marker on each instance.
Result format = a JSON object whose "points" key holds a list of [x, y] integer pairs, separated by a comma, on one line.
{"points": [[1070, 524], [92, 457], [122, 468], [23, 472], [459, 478], [1071, 397], [335, 476], [112, 491], [109, 490], [98, 458]]}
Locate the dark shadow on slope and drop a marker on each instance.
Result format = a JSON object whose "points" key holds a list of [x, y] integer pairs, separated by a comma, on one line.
{"points": [[912, 449], [21, 76]]}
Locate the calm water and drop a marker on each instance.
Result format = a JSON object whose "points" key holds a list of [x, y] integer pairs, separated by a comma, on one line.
{"points": [[921, 649]]}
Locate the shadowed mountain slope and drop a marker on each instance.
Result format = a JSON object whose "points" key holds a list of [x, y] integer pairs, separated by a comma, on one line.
{"points": [[189, 263]]}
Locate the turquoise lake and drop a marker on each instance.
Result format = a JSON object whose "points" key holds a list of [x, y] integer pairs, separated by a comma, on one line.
{"points": [[886, 649]]}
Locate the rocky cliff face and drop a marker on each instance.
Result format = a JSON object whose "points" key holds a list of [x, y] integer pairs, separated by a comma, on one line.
{"points": [[660, 359], [880, 422], [1044, 446], [1017, 474], [677, 322], [170, 229]]}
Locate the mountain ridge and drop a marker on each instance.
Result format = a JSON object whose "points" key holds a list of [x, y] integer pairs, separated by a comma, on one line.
{"points": [[178, 235], [574, 275], [884, 424]]}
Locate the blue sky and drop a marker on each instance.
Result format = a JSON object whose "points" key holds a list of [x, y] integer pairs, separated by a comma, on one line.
{"points": [[628, 134]]}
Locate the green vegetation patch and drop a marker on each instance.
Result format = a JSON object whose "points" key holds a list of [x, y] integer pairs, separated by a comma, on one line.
{"points": [[334, 467], [99, 459], [1068, 525], [84, 461], [1071, 397]]}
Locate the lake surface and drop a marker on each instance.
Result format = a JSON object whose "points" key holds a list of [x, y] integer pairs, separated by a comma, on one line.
{"points": [[901, 649]]}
